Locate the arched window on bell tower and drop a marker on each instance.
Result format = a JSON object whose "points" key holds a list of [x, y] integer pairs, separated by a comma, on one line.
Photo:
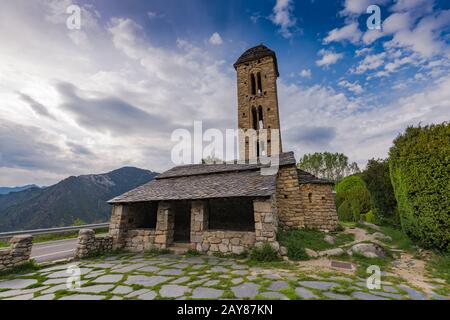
{"points": [[260, 118], [258, 76], [254, 118], [252, 84]]}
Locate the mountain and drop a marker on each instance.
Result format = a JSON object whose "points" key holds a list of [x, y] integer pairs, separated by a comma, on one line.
{"points": [[6, 190], [83, 197]]}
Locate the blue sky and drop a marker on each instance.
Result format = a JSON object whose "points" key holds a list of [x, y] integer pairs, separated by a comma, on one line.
{"points": [[111, 93]]}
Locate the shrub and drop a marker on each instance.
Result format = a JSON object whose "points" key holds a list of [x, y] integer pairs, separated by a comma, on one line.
{"points": [[419, 170], [352, 198], [369, 217], [265, 253], [378, 182]]}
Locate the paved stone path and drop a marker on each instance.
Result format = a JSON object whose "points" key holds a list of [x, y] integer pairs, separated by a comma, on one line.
{"points": [[169, 276]]}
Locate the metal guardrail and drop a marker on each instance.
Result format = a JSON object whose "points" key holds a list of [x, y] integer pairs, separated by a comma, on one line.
{"points": [[7, 235]]}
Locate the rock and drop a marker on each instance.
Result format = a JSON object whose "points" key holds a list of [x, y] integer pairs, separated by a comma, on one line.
{"points": [[278, 285], [171, 272], [330, 239], [381, 236], [275, 246], [146, 281], [305, 293], [331, 252], [206, 293], [311, 253], [320, 285], [245, 290], [17, 283], [122, 290], [109, 278], [173, 291], [274, 295], [366, 296], [370, 225], [95, 289], [336, 296], [369, 250], [83, 297], [283, 251]]}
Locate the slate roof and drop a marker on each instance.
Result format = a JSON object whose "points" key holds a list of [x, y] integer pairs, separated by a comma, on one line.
{"points": [[202, 181], [306, 177], [255, 53]]}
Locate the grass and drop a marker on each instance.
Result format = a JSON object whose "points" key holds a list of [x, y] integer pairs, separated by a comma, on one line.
{"points": [[25, 268], [439, 266], [264, 254], [399, 239], [192, 253], [297, 240]]}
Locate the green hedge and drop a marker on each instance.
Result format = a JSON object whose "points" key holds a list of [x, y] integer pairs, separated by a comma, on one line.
{"points": [[420, 173], [378, 182], [352, 198]]}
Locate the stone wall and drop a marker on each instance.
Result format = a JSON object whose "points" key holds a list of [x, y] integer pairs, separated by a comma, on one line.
{"points": [[18, 252], [140, 240], [89, 244], [128, 217], [289, 201], [227, 241], [319, 206]]}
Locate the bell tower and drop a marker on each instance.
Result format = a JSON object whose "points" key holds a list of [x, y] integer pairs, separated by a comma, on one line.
{"points": [[257, 73]]}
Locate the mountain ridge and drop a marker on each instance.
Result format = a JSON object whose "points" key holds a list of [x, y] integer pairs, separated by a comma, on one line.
{"points": [[75, 197]]}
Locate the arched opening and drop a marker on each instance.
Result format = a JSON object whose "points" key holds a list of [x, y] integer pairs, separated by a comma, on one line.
{"points": [[253, 84], [258, 76], [254, 118], [260, 118], [310, 197]]}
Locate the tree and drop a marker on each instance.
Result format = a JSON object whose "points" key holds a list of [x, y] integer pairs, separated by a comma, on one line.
{"points": [[378, 182], [331, 166], [419, 166], [352, 198]]}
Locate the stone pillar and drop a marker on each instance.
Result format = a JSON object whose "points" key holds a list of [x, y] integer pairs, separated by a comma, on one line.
{"points": [[266, 222], [199, 223], [164, 225], [118, 225], [21, 248], [18, 252], [89, 244], [86, 239]]}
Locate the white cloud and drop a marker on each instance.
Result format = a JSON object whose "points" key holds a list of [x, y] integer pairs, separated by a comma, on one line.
{"points": [[282, 16], [305, 73], [357, 7], [215, 39], [349, 32], [407, 5], [370, 62], [360, 131], [329, 57], [117, 72], [354, 87]]}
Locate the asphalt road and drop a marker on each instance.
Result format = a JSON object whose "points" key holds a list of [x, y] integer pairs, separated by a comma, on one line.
{"points": [[53, 250]]}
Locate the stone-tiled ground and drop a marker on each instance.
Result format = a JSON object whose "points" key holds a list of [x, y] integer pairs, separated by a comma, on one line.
{"points": [[169, 276]]}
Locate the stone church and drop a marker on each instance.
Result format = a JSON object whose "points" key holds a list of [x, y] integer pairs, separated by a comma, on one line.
{"points": [[228, 207]]}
